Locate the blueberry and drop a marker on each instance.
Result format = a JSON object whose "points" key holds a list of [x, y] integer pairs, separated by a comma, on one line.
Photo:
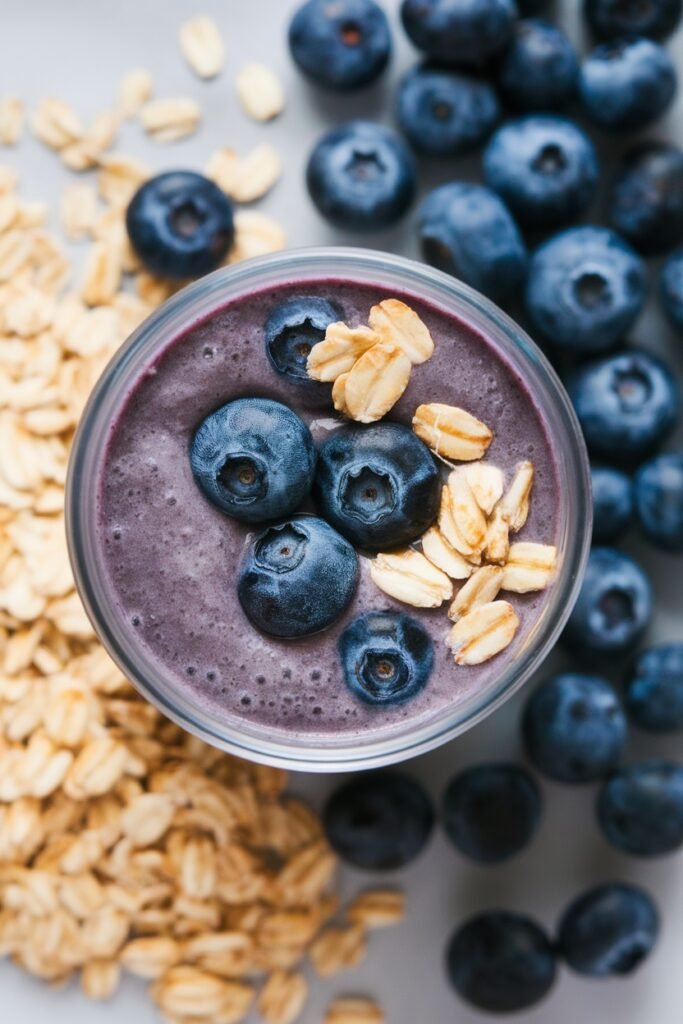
{"points": [[341, 45], [529, 7], [468, 231], [446, 113], [614, 19], [544, 167], [297, 577], [671, 289], [254, 459], [180, 224], [626, 84], [626, 403], [378, 485], [386, 657], [612, 503], [458, 31], [501, 962], [659, 501], [646, 202], [539, 69], [586, 288], [640, 808], [380, 821], [608, 930], [293, 328], [654, 691], [361, 176], [491, 811], [574, 728], [613, 609]]}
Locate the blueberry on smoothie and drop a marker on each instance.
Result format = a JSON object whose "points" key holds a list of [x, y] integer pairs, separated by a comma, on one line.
{"points": [[613, 609], [671, 289], [612, 503], [574, 728], [380, 821], [341, 45], [626, 84], [585, 289], [654, 689], [501, 962], [659, 501], [386, 657], [297, 577], [378, 485], [458, 31], [539, 68], [445, 113], [293, 328], [608, 931], [468, 231], [640, 808], [646, 201], [491, 811], [254, 459], [180, 224], [615, 19], [361, 176]]}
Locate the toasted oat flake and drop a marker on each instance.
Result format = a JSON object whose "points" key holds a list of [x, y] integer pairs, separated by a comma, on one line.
{"points": [[202, 46], [100, 978], [150, 957], [246, 178], [337, 949], [377, 908], [119, 177], [487, 483], [460, 519], [398, 324], [484, 632], [102, 275], [135, 89], [168, 120], [260, 92], [444, 556], [353, 1010], [339, 394], [451, 432], [78, 210], [11, 120], [256, 234], [56, 124], [376, 381], [515, 502], [340, 349], [410, 577], [529, 567], [282, 998], [482, 587], [497, 544]]}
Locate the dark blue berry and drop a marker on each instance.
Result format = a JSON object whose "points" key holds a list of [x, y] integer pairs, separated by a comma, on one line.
{"points": [[297, 577], [458, 31], [626, 84], [544, 167], [574, 728], [491, 811], [654, 691], [180, 224], [671, 289], [386, 657], [539, 69], [501, 962], [586, 288], [254, 459], [646, 202], [378, 485], [640, 808], [613, 609], [293, 328], [445, 113], [612, 503], [380, 821], [627, 404], [529, 7], [468, 231], [341, 45], [615, 19], [659, 501], [361, 176], [608, 930]]}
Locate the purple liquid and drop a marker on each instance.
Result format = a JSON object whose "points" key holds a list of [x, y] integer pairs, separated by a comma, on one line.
{"points": [[171, 557]]}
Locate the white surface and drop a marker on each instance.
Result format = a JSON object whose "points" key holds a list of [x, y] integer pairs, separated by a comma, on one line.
{"points": [[78, 49]]}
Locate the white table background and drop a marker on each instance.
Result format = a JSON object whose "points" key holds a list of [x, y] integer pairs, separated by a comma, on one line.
{"points": [[78, 50]]}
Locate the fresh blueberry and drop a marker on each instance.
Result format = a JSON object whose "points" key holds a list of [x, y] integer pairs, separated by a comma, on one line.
{"points": [[297, 577], [378, 485], [491, 811], [612, 503], [361, 176], [626, 403], [446, 113], [585, 289], [640, 808], [468, 231], [386, 657], [544, 167], [501, 962], [293, 328], [654, 691], [254, 459], [528, 7], [659, 501], [613, 609], [180, 224], [671, 289], [458, 31], [341, 45], [380, 821], [646, 202], [539, 69], [615, 19], [574, 728], [608, 930], [626, 84]]}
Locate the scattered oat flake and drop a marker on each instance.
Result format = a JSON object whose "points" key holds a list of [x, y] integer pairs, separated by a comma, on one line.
{"points": [[282, 998], [119, 177], [483, 632], [255, 174], [11, 120], [168, 120], [451, 432], [260, 92], [135, 89], [400, 325], [339, 350], [376, 382], [202, 46], [482, 586], [353, 1010], [411, 578], [377, 908], [78, 210], [56, 124], [256, 234]]}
